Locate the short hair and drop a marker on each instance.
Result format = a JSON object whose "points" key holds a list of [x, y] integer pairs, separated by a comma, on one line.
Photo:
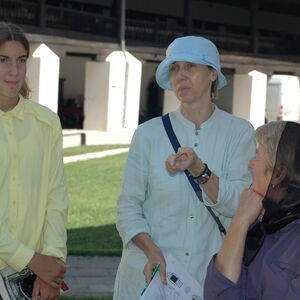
{"points": [[269, 136], [11, 32], [214, 87], [214, 90]]}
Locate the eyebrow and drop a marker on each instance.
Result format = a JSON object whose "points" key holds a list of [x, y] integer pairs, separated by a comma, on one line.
{"points": [[21, 56]]}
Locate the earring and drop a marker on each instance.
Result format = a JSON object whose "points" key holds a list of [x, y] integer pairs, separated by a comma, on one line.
{"points": [[273, 186]]}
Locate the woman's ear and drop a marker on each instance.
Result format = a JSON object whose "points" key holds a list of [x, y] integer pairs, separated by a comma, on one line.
{"points": [[213, 75], [279, 175]]}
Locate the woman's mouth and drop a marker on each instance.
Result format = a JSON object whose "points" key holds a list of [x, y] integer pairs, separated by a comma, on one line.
{"points": [[183, 88], [13, 83]]}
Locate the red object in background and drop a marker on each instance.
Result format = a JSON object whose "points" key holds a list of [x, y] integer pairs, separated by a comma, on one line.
{"points": [[64, 286]]}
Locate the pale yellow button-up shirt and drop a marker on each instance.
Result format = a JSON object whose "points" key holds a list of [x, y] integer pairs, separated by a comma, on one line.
{"points": [[33, 196]]}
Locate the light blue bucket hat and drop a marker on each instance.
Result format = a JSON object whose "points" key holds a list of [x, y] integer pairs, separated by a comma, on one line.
{"points": [[192, 49]]}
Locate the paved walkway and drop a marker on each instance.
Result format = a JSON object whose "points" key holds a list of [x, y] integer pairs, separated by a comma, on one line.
{"points": [[69, 159], [91, 276]]}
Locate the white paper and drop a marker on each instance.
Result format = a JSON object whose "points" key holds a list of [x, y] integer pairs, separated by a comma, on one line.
{"points": [[181, 285]]}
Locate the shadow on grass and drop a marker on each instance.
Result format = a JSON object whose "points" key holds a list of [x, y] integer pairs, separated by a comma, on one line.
{"points": [[100, 240]]}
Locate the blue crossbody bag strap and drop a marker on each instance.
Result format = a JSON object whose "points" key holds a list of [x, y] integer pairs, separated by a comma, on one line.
{"points": [[175, 143]]}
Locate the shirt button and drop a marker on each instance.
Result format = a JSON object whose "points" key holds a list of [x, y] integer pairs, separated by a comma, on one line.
{"points": [[14, 178], [191, 217], [196, 145], [10, 133], [187, 253], [196, 132]]}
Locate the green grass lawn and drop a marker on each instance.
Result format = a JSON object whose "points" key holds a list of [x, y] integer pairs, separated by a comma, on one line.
{"points": [[94, 186], [91, 148]]}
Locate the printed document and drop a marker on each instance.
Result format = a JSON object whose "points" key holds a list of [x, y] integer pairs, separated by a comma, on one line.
{"points": [[181, 285]]}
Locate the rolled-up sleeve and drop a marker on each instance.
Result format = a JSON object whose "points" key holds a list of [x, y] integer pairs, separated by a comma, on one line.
{"points": [[237, 175], [130, 217], [216, 286]]}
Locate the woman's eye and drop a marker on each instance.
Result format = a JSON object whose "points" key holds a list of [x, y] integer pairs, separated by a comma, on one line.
{"points": [[22, 60], [190, 65], [172, 68], [3, 60]]}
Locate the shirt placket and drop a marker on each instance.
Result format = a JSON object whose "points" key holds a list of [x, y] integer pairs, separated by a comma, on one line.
{"points": [[13, 174], [191, 217]]}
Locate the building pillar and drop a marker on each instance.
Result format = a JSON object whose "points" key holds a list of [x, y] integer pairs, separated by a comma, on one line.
{"points": [[132, 92], [249, 97], [43, 77], [112, 93], [96, 95]]}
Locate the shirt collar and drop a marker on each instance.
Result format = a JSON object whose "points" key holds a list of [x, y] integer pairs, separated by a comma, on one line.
{"points": [[17, 111], [187, 123]]}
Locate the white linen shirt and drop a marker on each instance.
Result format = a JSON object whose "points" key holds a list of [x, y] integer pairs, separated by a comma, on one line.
{"points": [[166, 206]]}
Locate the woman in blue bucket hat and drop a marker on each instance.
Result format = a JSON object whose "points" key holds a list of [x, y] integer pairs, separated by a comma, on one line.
{"points": [[159, 211]]}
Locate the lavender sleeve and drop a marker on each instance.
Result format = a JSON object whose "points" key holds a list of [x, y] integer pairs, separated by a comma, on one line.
{"points": [[217, 286]]}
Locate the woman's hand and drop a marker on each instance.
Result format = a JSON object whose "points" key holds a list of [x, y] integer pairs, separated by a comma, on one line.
{"points": [[153, 258], [50, 269], [250, 207], [44, 291], [154, 254], [185, 158]]}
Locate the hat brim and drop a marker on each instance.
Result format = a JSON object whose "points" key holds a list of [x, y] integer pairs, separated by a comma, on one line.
{"points": [[162, 72]]}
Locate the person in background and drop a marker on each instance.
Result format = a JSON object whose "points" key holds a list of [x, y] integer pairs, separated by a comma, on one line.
{"points": [[158, 210], [34, 201], [261, 261]]}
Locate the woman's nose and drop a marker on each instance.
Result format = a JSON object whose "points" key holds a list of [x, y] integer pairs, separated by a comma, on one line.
{"points": [[181, 73], [13, 68]]}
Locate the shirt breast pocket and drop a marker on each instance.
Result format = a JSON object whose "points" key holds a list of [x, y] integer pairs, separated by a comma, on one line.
{"points": [[287, 270]]}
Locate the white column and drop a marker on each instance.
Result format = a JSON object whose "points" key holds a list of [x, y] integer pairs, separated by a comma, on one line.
{"points": [[115, 101], [170, 102], [96, 95], [43, 77], [133, 89], [249, 97], [124, 91], [112, 93]]}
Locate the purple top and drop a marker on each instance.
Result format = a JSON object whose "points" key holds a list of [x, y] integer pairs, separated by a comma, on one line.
{"points": [[274, 274]]}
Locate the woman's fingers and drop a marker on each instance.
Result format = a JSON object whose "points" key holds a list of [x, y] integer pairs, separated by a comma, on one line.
{"points": [[262, 213], [163, 273], [250, 206], [36, 290], [180, 161], [170, 165], [148, 269]]}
